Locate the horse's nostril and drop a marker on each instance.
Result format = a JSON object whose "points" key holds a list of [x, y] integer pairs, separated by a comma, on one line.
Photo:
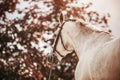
{"points": [[45, 46]]}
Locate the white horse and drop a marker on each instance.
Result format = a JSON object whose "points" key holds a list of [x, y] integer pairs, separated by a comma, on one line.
{"points": [[98, 51]]}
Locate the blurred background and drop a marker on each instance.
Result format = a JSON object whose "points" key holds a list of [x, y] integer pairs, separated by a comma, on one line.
{"points": [[108, 6], [27, 33]]}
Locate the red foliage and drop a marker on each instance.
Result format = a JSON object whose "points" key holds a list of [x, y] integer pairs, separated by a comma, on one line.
{"points": [[30, 63]]}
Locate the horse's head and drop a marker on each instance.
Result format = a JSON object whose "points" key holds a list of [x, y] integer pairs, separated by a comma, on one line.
{"points": [[71, 30], [63, 44]]}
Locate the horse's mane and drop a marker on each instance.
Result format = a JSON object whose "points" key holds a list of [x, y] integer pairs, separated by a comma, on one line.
{"points": [[88, 27]]}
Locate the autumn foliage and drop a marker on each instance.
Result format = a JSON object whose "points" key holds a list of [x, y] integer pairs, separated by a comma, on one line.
{"points": [[24, 25]]}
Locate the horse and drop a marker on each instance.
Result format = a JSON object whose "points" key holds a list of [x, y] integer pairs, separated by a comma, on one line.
{"points": [[98, 51]]}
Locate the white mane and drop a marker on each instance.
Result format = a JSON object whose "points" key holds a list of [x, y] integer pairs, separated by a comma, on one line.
{"points": [[89, 25]]}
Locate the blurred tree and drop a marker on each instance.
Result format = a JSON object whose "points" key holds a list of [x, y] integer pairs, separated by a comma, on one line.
{"points": [[27, 33]]}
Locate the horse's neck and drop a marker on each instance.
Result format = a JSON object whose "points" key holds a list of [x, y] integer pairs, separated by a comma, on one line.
{"points": [[84, 36], [84, 42]]}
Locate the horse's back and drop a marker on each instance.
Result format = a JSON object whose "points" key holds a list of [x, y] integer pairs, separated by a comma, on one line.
{"points": [[113, 46], [113, 53], [103, 64], [111, 60], [107, 64]]}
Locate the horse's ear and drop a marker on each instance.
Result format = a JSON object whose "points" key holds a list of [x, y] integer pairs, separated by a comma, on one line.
{"points": [[61, 18]]}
